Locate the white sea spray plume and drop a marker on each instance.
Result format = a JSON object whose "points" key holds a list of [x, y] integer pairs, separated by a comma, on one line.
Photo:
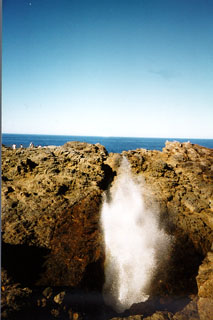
{"points": [[133, 242]]}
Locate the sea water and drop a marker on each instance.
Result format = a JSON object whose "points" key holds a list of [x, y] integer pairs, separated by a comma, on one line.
{"points": [[112, 144]]}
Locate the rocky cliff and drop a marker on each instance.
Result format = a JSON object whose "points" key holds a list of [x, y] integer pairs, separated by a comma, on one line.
{"points": [[52, 247]]}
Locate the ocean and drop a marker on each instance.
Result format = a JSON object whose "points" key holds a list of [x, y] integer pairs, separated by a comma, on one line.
{"points": [[112, 144]]}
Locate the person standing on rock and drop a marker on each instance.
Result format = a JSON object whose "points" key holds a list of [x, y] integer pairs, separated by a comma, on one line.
{"points": [[31, 145], [14, 146]]}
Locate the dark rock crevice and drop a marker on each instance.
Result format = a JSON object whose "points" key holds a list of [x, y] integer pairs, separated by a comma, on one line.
{"points": [[109, 175], [176, 275], [93, 279], [23, 263]]}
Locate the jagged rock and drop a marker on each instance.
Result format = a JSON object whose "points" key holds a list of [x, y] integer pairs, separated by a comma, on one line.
{"points": [[190, 312], [178, 183], [160, 315], [60, 177], [51, 200], [205, 287], [47, 292], [55, 205], [180, 180], [135, 317], [14, 297], [55, 313], [60, 297]]}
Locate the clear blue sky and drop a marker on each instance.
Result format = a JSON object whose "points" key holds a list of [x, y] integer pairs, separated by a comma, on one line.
{"points": [[141, 68]]}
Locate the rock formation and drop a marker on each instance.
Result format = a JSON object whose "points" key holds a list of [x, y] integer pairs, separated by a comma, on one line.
{"points": [[52, 248]]}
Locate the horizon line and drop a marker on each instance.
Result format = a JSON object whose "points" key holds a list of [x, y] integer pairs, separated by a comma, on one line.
{"points": [[99, 136]]}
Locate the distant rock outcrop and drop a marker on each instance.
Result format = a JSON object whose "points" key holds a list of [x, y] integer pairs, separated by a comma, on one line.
{"points": [[51, 236]]}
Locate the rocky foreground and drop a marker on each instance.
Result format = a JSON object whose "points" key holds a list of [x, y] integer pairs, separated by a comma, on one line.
{"points": [[52, 244]]}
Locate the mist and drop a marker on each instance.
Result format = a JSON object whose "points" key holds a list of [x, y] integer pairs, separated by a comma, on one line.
{"points": [[134, 242]]}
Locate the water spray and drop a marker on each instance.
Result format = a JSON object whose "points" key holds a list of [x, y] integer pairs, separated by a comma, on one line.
{"points": [[132, 240]]}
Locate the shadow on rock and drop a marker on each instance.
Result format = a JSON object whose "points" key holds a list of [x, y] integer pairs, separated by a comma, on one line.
{"points": [[23, 263]]}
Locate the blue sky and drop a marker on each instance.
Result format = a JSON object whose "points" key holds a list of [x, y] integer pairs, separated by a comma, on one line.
{"points": [[140, 68]]}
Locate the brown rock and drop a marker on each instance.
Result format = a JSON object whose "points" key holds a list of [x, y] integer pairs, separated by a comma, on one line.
{"points": [[190, 312], [51, 199], [47, 292], [180, 179], [14, 297], [59, 297], [160, 315], [205, 288], [135, 317], [179, 182]]}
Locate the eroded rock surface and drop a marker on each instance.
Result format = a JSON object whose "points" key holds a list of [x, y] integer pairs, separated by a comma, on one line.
{"points": [[205, 287], [38, 184], [51, 200], [180, 181]]}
